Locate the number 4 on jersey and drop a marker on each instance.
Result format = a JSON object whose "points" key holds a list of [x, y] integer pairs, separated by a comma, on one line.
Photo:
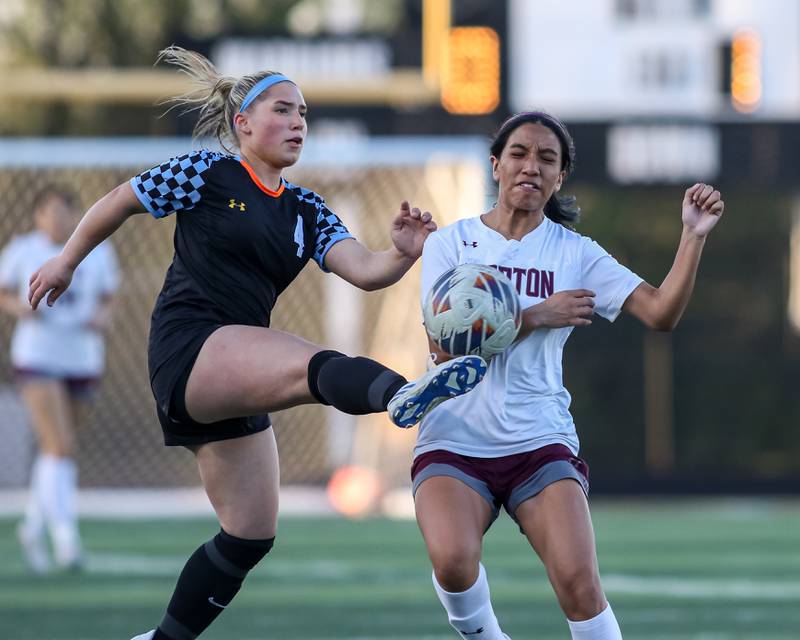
{"points": [[298, 236]]}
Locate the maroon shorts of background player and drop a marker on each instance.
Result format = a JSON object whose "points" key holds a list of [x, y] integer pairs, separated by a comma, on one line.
{"points": [[77, 387]]}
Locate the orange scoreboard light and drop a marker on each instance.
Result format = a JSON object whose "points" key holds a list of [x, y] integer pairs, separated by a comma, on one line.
{"points": [[745, 70], [471, 77]]}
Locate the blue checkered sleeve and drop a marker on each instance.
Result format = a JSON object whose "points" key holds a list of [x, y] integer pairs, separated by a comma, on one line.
{"points": [[329, 228], [174, 185]]}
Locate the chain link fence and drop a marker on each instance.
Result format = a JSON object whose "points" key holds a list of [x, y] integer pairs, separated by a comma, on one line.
{"points": [[120, 445]]}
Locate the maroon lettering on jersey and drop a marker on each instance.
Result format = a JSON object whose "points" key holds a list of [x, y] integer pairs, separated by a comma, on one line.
{"points": [[518, 278], [546, 285], [533, 282], [506, 271]]}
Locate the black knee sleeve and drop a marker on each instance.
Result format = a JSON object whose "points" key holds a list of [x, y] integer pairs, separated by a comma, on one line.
{"points": [[352, 385], [314, 366], [209, 581]]}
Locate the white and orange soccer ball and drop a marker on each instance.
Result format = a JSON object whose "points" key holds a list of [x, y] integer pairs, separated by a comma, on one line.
{"points": [[472, 309]]}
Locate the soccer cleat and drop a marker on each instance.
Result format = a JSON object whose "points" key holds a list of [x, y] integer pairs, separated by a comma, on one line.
{"points": [[34, 549], [67, 547], [145, 636], [447, 380]]}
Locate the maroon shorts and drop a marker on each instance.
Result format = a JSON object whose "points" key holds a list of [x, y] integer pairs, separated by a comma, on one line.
{"points": [[505, 481], [78, 388]]}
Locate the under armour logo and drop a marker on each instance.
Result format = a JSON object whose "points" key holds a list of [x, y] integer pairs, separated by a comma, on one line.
{"points": [[469, 244], [232, 204], [471, 633]]}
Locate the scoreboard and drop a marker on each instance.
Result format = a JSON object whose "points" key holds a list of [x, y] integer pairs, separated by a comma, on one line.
{"points": [[607, 59], [667, 90]]}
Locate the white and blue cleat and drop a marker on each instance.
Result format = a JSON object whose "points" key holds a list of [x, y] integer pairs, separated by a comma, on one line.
{"points": [[450, 379]]}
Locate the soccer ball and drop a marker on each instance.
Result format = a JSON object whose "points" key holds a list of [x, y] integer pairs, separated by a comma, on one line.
{"points": [[472, 309]]}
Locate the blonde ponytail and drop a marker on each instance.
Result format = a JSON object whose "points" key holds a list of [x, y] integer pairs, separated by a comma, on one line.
{"points": [[216, 97]]}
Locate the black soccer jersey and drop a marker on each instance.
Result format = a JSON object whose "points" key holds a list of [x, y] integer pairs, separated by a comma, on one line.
{"points": [[238, 244]]}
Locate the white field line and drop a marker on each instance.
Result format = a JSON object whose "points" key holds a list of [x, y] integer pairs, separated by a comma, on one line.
{"points": [[137, 504], [168, 566], [133, 565], [725, 589], [156, 503], [656, 586]]}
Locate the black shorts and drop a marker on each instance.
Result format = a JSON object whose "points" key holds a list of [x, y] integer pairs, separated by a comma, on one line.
{"points": [[168, 378]]}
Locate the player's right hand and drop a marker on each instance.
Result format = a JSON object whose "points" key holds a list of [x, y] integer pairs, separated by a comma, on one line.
{"points": [[570, 308], [53, 276]]}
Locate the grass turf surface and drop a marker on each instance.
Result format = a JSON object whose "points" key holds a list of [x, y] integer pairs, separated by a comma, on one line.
{"points": [[700, 570]]}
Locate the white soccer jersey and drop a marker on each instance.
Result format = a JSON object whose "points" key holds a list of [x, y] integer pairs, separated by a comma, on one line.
{"points": [[56, 339], [521, 404]]}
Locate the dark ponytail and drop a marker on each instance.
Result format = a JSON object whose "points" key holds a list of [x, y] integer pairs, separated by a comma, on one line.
{"points": [[561, 209]]}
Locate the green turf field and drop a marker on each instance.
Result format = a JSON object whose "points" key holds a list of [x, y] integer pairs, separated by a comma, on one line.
{"points": [[700, 570]]}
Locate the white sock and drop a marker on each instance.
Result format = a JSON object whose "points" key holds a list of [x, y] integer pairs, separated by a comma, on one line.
{"points": [[47, 487], [66, 490], [34, 509], [63, 512], [470, 612], [602, 627]]}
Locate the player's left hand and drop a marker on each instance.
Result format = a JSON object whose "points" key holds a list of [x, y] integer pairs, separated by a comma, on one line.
{"points": [[702, 209], [54, 277], [409, 230]]}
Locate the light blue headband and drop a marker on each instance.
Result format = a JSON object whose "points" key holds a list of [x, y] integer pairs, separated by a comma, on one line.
{"points": [[260, 87]]}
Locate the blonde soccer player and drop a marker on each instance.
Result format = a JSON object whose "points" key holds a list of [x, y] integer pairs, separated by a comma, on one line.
{"points": [[243, 234]]}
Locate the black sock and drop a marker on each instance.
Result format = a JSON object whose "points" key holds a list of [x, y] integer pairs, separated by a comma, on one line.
{"points": [[353, 385], [209, 581]]}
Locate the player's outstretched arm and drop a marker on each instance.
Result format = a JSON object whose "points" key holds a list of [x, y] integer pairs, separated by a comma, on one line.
{"points": [[370, 270], [100, 221], [661, 308]]}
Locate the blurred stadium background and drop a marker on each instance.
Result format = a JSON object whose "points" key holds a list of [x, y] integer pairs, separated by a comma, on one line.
{"points": [[404, 96]]}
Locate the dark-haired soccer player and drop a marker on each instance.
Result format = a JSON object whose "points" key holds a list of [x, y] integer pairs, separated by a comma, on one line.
{"points": [[243, 234], [512, 442]]}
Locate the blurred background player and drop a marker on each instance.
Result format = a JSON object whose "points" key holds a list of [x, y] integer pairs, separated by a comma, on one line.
{"points": [[58, 357], [243, 234], [512, 442]]}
